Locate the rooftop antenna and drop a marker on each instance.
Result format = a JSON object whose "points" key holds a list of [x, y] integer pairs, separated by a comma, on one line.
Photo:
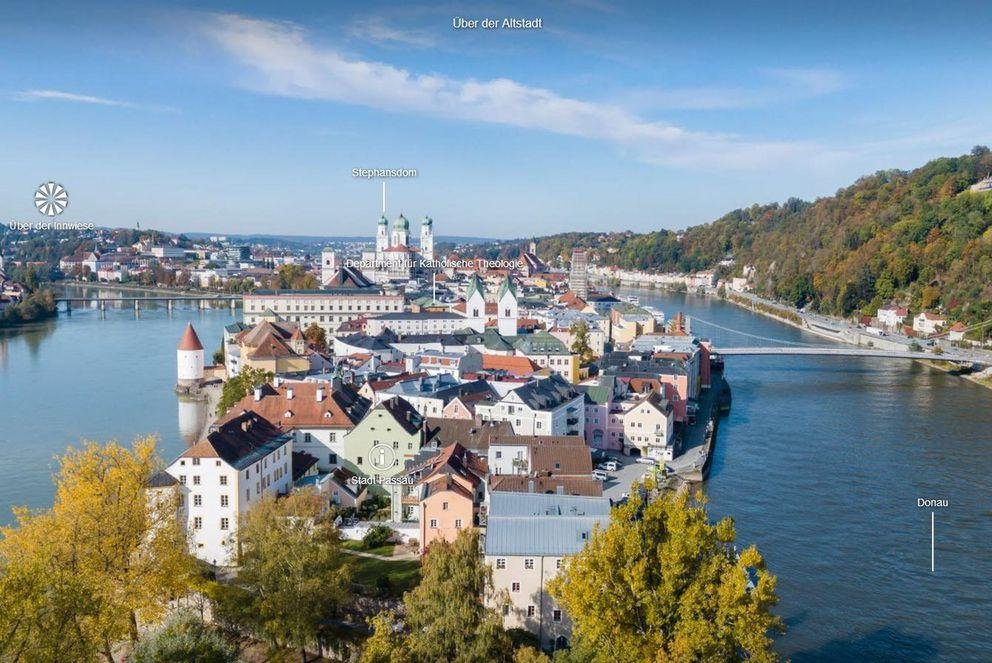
{"points": [[384, 199]]}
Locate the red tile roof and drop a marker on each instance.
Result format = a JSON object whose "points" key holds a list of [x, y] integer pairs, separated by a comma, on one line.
{"points": [[190, 341]]}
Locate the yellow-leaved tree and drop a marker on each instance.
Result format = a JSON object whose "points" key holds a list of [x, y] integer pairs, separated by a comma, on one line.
{"points": [[661, 583], [77, 579]]}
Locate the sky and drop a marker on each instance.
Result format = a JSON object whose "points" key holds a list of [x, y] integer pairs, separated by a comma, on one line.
{"points": [[248, 117]]}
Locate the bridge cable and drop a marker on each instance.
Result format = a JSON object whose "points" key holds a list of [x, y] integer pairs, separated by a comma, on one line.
{"points": [[760, 338]]}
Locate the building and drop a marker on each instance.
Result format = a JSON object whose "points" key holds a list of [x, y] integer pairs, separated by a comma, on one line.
{"points": [[540, 455], [271, 345], [507, 312], [475, 436], [891, 317], [550, 406], [548, 352], [445, 494], [394, 259], [927, 323], [189, 360], [957, 331], [327, 308], [528, 538], [319, 415], [649, 427], [406, 323], [578, 278], [223, 475], [383, 441]]}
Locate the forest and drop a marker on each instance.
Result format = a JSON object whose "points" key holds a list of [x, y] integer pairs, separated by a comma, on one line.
{"points": [[916, 237]]}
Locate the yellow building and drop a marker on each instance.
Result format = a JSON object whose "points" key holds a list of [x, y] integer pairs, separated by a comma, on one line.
{"points": [[273, 345]]}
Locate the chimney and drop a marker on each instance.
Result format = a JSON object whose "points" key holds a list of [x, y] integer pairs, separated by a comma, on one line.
{"points": [[561, 489], [276, 381], [411, 364], [258, 394], [530, 485], [289, 394], [320, 394]]}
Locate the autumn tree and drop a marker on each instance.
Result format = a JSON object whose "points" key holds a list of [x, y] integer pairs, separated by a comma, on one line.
{"points": [[77, 579], [240, 386], [316, 336], [661, 583], [580, 342], [293, 576], [449, 616]]}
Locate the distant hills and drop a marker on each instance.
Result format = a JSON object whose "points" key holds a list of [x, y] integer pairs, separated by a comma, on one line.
{"points": [[919, 237], [304, 241]]}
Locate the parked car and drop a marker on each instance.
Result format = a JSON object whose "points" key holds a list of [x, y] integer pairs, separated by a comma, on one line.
{"points": [[646, 460], [600, 474], [611, 465]]}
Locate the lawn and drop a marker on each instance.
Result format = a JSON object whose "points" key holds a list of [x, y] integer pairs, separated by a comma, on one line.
{"points": [[386, 550], [390, 577]]}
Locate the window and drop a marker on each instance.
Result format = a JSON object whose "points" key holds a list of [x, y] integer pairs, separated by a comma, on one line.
{"points": [[196, 461], [557, 563], [506, 609], [197, 500], [359, 459], [217, 463], [444, 506], [224, 522], [198, 523], [223, 479], [223, 500], [433, 523], [529, 563], [515, 587], [500, 563], [196, 479], [499, 454], [332, 458], [556, 615], [182, 479], [530, 611], [458, 523], [396, 445]]}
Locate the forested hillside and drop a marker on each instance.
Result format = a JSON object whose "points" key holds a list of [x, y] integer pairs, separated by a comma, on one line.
{"points": [[919, 237]]}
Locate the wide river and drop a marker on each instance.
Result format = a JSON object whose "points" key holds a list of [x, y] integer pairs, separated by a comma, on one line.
{"points": [[820, 462]]}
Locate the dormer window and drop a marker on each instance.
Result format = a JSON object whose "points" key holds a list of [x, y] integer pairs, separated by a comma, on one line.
{"points": [[287, 413]]}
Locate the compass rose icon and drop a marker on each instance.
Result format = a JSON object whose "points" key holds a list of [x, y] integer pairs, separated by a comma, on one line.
{"points": [[51, 199]]}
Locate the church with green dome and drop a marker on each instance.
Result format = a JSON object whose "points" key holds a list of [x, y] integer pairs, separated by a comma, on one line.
{"points": [[394, 258]]}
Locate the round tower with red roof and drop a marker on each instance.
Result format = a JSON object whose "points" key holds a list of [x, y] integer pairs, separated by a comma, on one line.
{"points": [[189, 359]]}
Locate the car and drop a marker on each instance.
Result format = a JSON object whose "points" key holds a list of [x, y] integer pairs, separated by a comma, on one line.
{"points": [[600, 474], [646, 460], [611, 465]]}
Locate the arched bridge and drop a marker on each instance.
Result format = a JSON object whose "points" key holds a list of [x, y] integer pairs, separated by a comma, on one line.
{"points": [[948, 355]]}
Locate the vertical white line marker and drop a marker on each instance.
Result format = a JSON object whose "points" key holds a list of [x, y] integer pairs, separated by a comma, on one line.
{"points": [[932, 538]]}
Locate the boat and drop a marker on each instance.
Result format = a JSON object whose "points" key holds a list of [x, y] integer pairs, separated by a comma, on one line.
{"points": [[632, 299]]}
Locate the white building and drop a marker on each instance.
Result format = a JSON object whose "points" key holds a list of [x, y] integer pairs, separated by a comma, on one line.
{"points": [[550, 406], [319, 414], [891, 317], [507, 312], [425, 322], [529, 536], [327, 308], [394, 259], [223, 475], [928, 323], [189, 359]]}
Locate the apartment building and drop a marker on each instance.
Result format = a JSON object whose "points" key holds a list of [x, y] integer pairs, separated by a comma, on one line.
{"points": [[550, 406]]}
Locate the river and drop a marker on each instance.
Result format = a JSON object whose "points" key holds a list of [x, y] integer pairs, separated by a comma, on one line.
{"points": [[820, 462]]}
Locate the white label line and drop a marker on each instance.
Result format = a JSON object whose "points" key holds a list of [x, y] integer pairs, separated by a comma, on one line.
{"points": [[932, 538]]}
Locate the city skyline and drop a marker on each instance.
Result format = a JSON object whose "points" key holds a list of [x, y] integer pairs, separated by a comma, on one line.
{"points": [[609, 117]]}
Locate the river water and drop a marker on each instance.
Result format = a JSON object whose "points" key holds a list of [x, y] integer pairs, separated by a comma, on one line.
{"points": [[820, 462]]}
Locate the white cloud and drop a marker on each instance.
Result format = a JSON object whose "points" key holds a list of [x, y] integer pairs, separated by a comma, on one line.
{"points": [[377, 30], [283, 61], [59, 95]]}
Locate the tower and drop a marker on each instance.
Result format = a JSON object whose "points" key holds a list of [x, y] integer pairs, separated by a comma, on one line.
{"points": [[328, 265], [189, 359], [427, 238], [578, 278], [382, 235], [401, 232], [506, 311], [475, 304]]}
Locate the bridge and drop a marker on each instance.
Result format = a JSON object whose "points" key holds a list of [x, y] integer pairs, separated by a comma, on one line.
{"points": [[137, 302], [825, 351]]}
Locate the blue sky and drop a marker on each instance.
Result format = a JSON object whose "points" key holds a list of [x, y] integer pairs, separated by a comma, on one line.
{"points": [[249, 116]]}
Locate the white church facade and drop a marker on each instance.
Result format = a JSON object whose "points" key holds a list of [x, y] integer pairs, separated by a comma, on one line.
{"points": [[394, 258]]}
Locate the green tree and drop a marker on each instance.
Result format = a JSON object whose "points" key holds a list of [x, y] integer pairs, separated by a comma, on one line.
{"points": [[660, 583], [240, 386], [77, 578], [447, 616], [184, 637], [293, 575], [580, 342], [316, 336]]}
